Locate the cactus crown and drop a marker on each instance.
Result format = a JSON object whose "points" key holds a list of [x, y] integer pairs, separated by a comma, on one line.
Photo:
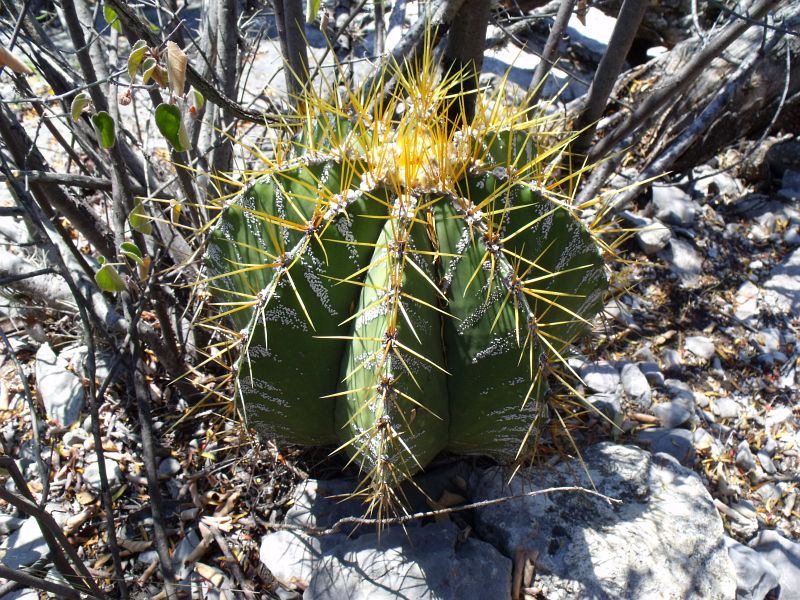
{"points": [[402, 285]]}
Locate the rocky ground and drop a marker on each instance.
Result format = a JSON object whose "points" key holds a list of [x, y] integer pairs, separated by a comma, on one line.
{"points": [[694, 443]]}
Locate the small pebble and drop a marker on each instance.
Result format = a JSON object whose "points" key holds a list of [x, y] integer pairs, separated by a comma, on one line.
{"points": [[766, 462], [671, 360], [168, 468], [671, 414], [652, 373], [699, 345], [744, 457], [726, 408]]}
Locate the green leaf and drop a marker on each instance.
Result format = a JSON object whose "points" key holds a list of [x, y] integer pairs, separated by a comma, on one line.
{"points": [[170, 123], [197, 98], [131, 251], [135, 58], [148, 67], [104, 124], [312, 8], [139, 220], [108, 279], [111, 17], [79, 102]]}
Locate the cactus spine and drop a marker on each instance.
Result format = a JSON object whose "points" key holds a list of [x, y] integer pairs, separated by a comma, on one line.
{"points": [[401, 286]]}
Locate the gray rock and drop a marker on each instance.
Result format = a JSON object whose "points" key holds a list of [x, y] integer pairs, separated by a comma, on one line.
{"points": [[420, 562], [24, 594], [745, 303], [601, 377], [766, 462], [784, 555], [777, 417], [674, 206], [743, 520], [755, 576], [671, 414], [9, 524], [744, 457], [91, 475], [791, 236], [726, 408], [681, 393], [428, 562], [652, 373], [293, 557], [685, 262], [24, 546], [678, 443], [665, 540], [769, 492], [636, 386], [169, 467], [782, 289], [719, 184], [320, 503], [769, 339], [608, 404], [699, 345], [671, 359], [61, 391], [652, 235], [791, 179], [76, 357], [184, 570], [74, 437]]}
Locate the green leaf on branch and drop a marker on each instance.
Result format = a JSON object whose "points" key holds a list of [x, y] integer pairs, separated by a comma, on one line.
{"points": [[110, 15], [104, 124], [312, 8], [108, 279], [170, 123], [131, 251], [139, 220], [151, 69], [79, 102], [135, 59], [197, 98]]}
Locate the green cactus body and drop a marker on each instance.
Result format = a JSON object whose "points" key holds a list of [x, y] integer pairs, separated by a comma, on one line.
{"points": [[401, 289]]}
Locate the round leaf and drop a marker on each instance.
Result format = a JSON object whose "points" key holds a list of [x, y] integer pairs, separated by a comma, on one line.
{"points": [[110, 15], [135, 58], [131, 251], [79, 102], [139, 220], [170, 124], [108, 279], [104, 124]]}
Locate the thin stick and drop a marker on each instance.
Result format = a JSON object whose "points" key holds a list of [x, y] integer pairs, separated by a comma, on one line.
{"points": [[38, 583], [321, 531], [630, 16], [550, 51]]}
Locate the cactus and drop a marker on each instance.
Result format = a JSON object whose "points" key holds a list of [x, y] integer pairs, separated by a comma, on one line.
{"points": [[400, 285]]}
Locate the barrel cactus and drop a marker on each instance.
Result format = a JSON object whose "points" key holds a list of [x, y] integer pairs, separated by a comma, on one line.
{"points": [[401, 285]]}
